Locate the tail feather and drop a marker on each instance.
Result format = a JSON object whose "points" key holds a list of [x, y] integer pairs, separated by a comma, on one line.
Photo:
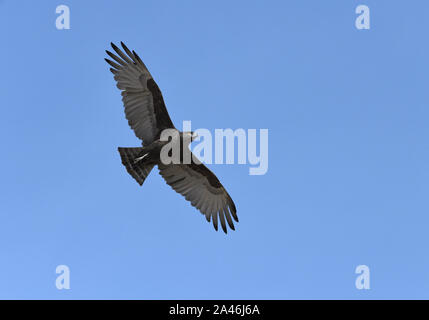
{"points": [[139, 171]]}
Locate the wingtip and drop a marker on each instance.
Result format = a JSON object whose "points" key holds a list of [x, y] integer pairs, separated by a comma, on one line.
{"points": [[232, 208], [234, 215], [138, 58], [113, 45], [113, 64]]}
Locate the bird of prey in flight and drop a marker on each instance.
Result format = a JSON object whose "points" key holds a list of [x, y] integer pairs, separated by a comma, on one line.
{"points": [[148, 117]]}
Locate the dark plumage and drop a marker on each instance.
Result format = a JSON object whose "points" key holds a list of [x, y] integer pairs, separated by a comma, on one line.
{"points": [[147, 115]]}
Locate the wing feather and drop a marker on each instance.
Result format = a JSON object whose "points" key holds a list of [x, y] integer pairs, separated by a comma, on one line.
{"points": [[215, 221], [144, 105], [222, 218], [205, 192]]}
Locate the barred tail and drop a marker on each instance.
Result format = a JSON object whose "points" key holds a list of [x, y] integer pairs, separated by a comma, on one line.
{"points": [[139, 171]]}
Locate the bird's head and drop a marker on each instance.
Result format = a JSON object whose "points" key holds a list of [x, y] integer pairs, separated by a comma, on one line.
{"points": [[190, 135]]}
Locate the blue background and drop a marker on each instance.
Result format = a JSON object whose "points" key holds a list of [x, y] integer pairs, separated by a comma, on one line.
{"points": [[347, 113]]}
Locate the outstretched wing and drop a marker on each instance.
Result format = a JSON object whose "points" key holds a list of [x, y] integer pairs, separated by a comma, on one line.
{"points": [[203, 189], [144, 106]]}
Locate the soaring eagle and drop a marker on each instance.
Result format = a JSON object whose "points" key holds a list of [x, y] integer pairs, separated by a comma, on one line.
{"points": [[148, 117]]}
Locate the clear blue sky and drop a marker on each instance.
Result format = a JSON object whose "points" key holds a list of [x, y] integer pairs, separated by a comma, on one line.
{"points": [[347, 113]]}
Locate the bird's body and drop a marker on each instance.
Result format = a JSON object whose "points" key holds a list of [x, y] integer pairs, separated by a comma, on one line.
{"points": [[148, 117]]}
